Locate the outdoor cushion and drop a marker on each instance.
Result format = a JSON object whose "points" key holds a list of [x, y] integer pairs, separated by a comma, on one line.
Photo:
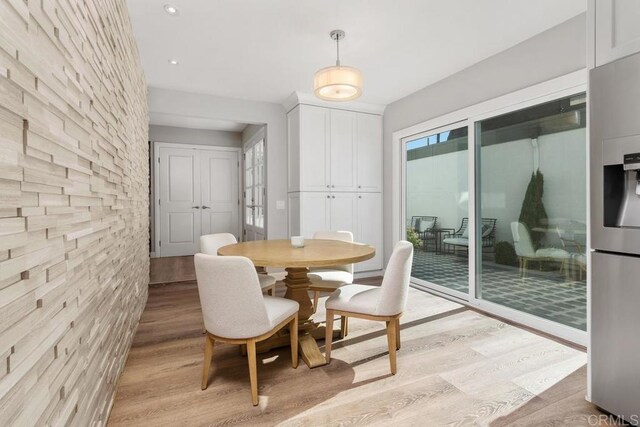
{"points": [[457, 241]]}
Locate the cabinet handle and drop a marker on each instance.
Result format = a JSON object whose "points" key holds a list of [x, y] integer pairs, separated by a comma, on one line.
{"points": [[206, 207], [328, 196], [359, 186], [333, 197], [359, 197], [195, 207], [328, 186], [333, 186]]}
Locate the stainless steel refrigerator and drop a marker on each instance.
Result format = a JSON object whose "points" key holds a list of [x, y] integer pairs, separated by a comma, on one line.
{"points": [[614, 92]]}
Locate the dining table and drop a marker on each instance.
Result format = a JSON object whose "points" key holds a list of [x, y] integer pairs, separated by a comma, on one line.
{"points": [[297, 261]]}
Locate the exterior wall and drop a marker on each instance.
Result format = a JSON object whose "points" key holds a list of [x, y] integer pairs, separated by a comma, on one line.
{"points": [[74, 266], [553, 53], [438, 185]]}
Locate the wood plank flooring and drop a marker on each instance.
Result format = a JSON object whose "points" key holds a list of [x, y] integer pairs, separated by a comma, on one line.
{"points": [[456, 367]]}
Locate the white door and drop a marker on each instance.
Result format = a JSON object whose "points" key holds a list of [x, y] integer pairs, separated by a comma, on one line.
{"points": [[314, 136], [369, 220], [369, 152], [220, 196], [343, 212], [254, 191], [179, 201], [342, 151], [198, 194], [314, 213]]}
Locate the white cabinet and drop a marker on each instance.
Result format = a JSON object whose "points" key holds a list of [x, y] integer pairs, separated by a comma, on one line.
{"points": [[335, 174], [360, 213], [334, 150], [617, 29]]}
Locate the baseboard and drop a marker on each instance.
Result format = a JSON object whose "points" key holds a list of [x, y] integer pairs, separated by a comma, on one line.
{"points": [[364, 274]]}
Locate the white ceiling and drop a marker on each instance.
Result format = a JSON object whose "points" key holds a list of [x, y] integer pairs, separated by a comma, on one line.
{"points": [[265, 49]]}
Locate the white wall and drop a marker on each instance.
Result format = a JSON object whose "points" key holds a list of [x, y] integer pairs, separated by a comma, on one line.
{"points": [[553, 53], [181, 135], [253, 112]]}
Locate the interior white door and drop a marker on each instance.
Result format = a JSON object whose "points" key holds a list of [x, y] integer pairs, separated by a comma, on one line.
{"points": [[254, 192], [342, 151], [343, 212], [314, 213], [219, 189], [179, 201]]}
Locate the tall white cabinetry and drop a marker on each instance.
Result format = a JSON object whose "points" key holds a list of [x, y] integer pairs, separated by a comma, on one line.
{"points": [[335, 174], [615, 28]]}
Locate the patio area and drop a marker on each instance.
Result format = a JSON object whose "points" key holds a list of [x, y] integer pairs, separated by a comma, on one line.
{"points": [[547, 294]]}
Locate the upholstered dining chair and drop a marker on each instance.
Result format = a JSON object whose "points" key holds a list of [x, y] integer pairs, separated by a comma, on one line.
{"points": [[526, 252], [330, 278], [236, 312], [383, 303], [210, 243]]}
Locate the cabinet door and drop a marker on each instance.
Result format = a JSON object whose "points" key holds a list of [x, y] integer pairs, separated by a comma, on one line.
{"points": [[617, 29], [343, 212], [369, 220], [342, 151], [314, 140], [314, 213], [369, 152]]}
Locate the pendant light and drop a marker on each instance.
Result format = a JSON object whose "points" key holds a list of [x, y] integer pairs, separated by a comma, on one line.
{"points": [[339, 82]]}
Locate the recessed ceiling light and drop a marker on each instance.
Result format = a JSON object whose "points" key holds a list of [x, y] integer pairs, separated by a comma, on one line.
{"points": [[171, 9], [173, 62]]}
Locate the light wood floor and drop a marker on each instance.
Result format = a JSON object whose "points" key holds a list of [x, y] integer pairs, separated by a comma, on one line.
{"points": [[456, 367]]}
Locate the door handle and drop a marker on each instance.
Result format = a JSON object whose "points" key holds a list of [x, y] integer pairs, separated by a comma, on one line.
{"points": [[195, 207], [205, 207]]}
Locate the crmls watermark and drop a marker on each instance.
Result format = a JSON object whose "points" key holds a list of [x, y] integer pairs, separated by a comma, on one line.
{"points": [[612, 420]]}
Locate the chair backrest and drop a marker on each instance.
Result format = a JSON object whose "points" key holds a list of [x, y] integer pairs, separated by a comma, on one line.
{"points": [[395, 284], [522, 240], [423, 223], [210, 243], [344, 236], [230, 296]]}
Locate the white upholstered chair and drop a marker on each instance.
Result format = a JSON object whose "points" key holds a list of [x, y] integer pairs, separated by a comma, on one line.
{"points": [[236, 312], [210, 243], [526, 252], [381, 303], [330, 278]]}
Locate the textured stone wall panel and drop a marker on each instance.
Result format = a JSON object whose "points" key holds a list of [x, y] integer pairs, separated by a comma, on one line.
{"points": [[74, 185]]}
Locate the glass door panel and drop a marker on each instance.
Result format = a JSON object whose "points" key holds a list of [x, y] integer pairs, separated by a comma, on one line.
{"points": [[436, 208], [254, 191], [532, 210]]}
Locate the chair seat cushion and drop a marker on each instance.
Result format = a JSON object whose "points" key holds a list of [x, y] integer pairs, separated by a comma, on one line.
{"points": [[278, 309], [355, 298], [266, 280], [330, 275], [458, 241], [555, 253]]}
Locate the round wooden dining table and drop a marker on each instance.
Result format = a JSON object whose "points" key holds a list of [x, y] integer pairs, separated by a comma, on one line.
{"points": [[296, 261]]}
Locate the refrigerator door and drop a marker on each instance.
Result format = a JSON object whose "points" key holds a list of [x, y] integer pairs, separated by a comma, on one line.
{"points": [[614, 111], [615, 334]]}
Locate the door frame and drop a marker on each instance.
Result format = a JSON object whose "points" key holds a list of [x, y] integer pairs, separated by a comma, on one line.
{"points": [[559, 87], [157, 145], [259, 135]]}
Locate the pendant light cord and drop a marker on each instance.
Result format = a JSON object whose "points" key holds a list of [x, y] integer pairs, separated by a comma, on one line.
{"points": [[338, 51]]}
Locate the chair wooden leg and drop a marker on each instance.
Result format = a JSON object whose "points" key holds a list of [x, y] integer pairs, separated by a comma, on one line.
{"points": [[253, 370], [328, 335], [293, 333], [391, 340], [208, 354], [271, 290], [398, 333], [316, 296], [344, 326]]}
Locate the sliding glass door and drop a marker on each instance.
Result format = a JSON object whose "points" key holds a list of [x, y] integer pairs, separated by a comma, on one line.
{"points": [[437, 209], [531, 171], [516, 244]]}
